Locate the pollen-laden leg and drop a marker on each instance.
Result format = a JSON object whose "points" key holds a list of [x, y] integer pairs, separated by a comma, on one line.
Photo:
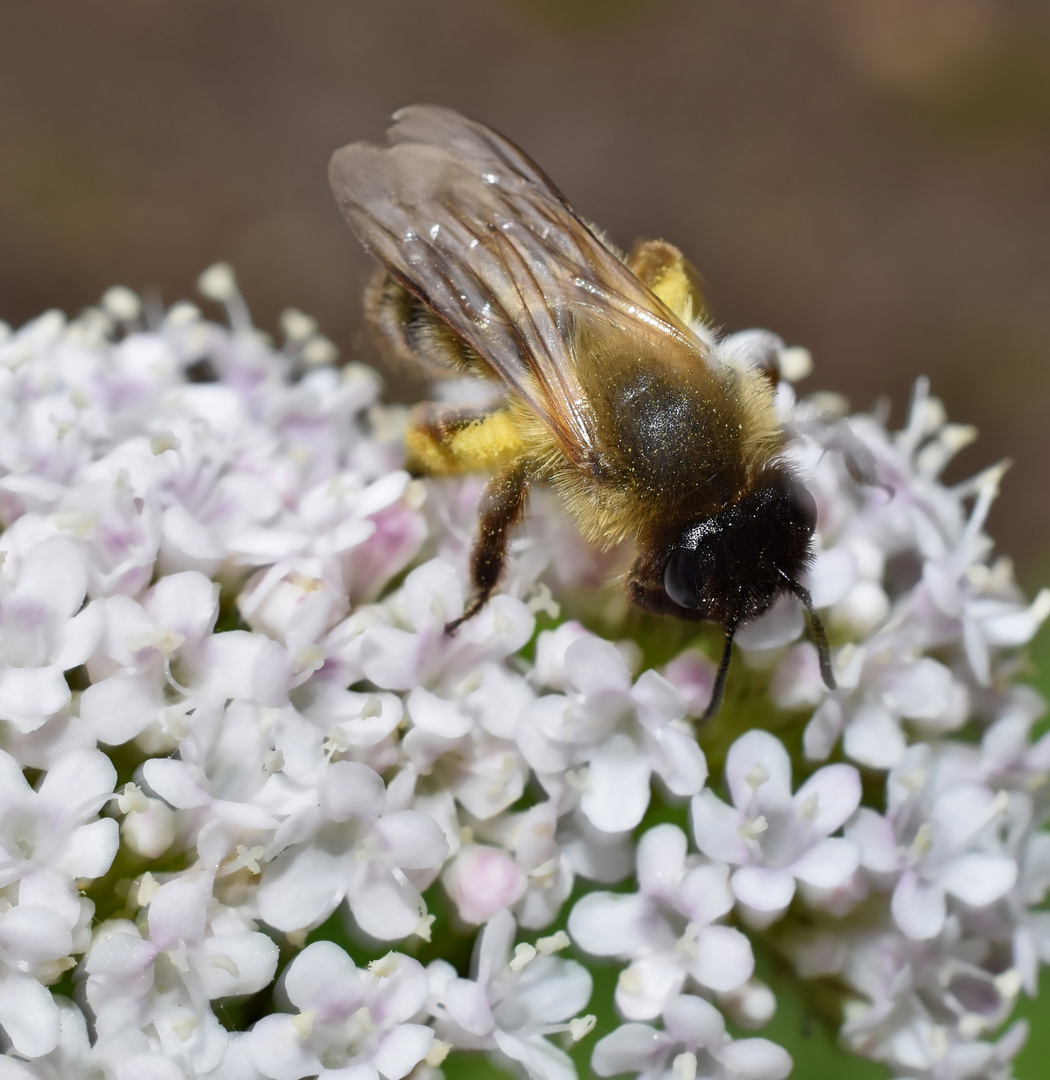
{"points": [[502, 504], [671, 276], [449, 440]]}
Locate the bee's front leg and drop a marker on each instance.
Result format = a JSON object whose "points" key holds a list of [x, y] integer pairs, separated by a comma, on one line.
{"points": [[502, 504]]}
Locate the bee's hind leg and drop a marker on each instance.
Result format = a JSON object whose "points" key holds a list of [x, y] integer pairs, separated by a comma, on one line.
{"points": [[502, 504]]}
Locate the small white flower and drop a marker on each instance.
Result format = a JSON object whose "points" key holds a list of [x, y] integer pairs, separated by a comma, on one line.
{"points": [[510, 1006], [668, 930], [775, 838], [693, 1042], [349, 1021]]}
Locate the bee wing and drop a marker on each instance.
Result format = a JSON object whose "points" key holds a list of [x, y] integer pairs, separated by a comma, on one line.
{"points": [[476, 230]]}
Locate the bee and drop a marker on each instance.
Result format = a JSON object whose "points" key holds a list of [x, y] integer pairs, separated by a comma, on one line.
{"points": [[608, 394]]}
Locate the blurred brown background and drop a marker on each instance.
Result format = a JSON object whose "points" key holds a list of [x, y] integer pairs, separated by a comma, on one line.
{"points": [[869, 179]]}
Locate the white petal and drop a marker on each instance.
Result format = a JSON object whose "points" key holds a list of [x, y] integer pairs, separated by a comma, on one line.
{"points": [[646, 986], [401, 993], [716, 829], [823, 730], [389, 657], [120, 707], [659, 701], [595, 666], [613, 924], [617, 792], [248, 666], [176, 783], [661, 860], [32, 933], [549, 990], [758, 755], [831, 576], [704, 894], [433, 596], [680, 763], [493, 947], [438, 715], [82, 779], [401, 1049], [874, 835], [29, 695], [918, 907], [468, 1006], [54, 574], [828, 864], [541, 1059], [691, 1020], [237, 963], [384, 906], [277, 1051], [873, 737], [411, 840], [301, 888], [351, 789], [756, 1059], [29, 1015], [178, 910], [631, 1048], [324, 977], [978, 879], [723, 959], [187, 602], [91, 849], [837, 791], [763, 889], [77, 638]]}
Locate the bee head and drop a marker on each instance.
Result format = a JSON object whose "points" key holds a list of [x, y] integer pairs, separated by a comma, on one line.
{"points": [[731, 566]]}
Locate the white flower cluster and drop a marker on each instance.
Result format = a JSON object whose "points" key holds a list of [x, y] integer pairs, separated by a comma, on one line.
{"points": [[229, 709]]}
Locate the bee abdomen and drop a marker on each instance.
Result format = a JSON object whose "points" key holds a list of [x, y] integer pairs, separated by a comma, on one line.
{"points": [[406, 330]]}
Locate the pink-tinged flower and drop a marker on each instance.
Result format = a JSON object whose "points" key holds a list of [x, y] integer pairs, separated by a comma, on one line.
{"points": [[350, 1023], [512, 1002], [603, 739], [774, 838], [43, 631], [538, 848], [668, 929], [693, 1043], [482, 881], [351, 845], [941, 837]]}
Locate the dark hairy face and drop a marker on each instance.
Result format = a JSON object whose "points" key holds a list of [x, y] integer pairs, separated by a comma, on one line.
{"points": [[731, 566]]}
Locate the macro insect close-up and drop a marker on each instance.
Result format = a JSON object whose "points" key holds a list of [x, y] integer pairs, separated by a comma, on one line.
{"points": [[584, 620], [615, 394]]}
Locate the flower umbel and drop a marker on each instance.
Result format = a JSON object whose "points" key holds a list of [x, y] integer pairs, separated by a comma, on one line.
{"points": [[240, 755]]}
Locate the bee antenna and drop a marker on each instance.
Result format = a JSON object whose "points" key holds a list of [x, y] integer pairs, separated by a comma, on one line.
{"points": [[816, 629], [718, 690]]}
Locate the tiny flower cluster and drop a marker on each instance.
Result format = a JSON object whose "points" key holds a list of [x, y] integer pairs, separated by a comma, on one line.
{"points": [[229, 709]]}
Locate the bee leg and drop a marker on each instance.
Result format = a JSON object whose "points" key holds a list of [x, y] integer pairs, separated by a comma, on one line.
{"points": [[671, 276], [449, 440], [502, 503]]}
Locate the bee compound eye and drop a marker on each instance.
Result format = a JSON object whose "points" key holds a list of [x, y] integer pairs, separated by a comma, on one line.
{"points": [[682, 578], [804, 504]]}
